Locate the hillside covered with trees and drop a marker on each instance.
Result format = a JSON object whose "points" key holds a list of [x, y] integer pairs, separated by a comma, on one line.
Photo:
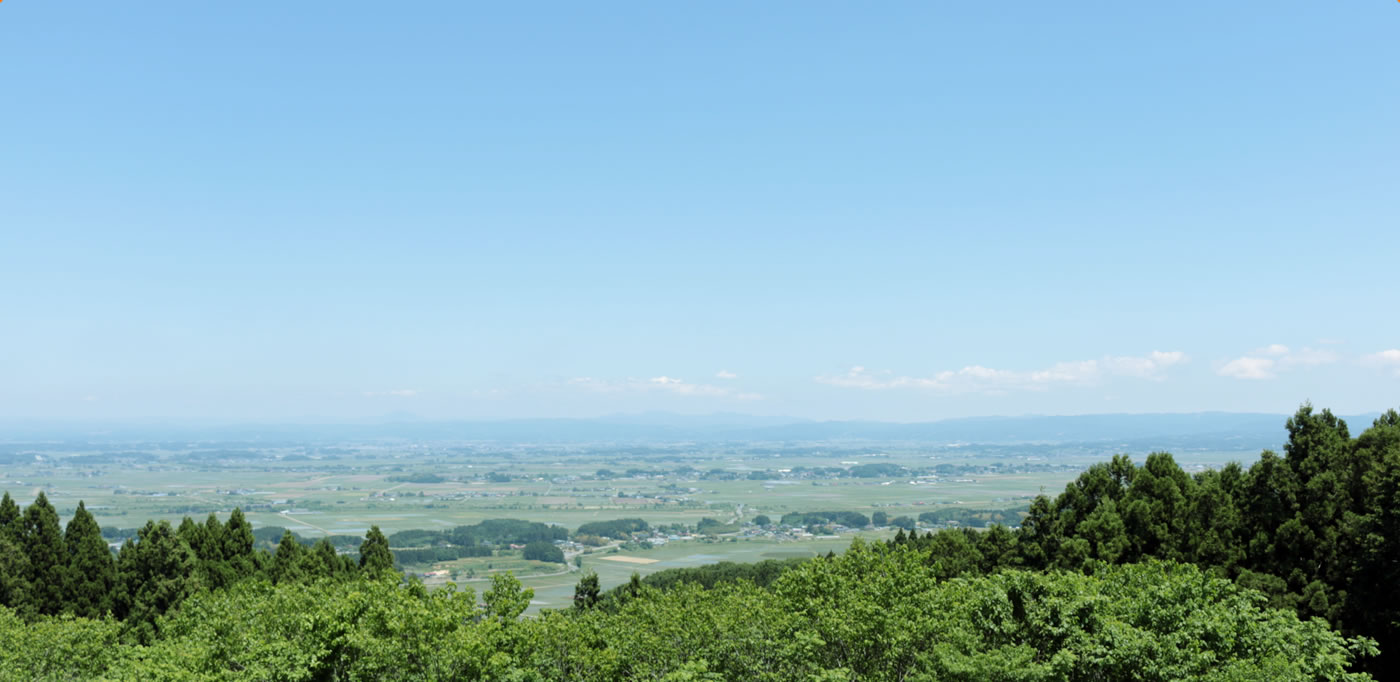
{"points": [[1284, 570]]}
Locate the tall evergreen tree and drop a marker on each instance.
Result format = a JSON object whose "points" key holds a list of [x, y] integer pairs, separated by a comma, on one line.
{"points": [[375, 556], [11, 525], [48, 560], [14, 577], [1374, 600], [214, 569], [238, 545], [91, 571], [14, 564], [154, 574], [586, 592], [287, 562], [327, 563], [194, 535]]}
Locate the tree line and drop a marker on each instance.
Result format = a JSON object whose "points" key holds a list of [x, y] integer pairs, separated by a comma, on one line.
{"points": [[49, 570], [875, 613], [1315, 530]]}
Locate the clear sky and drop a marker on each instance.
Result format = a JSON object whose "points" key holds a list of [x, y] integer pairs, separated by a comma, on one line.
{"points": [[888, 210]]}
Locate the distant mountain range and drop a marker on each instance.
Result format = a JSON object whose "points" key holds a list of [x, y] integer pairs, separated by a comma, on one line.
{"points": [[1226, 429]]}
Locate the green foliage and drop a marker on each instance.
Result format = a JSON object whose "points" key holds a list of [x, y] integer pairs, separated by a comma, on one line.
{"points": [[875, 613], [91, 571], [876, 470], [709, 576], [709, 526], [375, 556], [506, 599], [586, 592], [418, 477], [619, 528], [544, 551], [58, 648], [1315, 531], [14, 577], [975, 518], [287, 562], [845, 518], [47, 557], [11, 526], [154, 573], [238, 545]]}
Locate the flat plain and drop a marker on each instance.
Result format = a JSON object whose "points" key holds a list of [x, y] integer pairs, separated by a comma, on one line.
{"points": [[344, 488]]}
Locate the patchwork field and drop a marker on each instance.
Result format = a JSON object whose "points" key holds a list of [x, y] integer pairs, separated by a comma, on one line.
{"points": [[345, 488]]}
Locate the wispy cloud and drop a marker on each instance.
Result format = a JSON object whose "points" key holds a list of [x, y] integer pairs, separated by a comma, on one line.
{"points": [[661, 384], [726, 374], [1267, 362], [979, 379], [394, 393], [1386, 358], [1248, 367]]}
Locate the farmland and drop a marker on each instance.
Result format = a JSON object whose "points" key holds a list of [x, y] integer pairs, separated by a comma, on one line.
{"points": [[343, 488]]}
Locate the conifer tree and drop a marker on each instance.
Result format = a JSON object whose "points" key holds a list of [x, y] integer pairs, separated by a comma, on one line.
{"points": [[14, 577], [14, 565], [327, 562], [586, 592], [48, 560], [214, 569], [238, 545], [214, 532], [375, 556], [287, 561], [194, 535], [11, 526], [154, 574], [91, 570]]}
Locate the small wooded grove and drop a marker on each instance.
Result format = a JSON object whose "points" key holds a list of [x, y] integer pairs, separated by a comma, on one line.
{"points": [[1285, 570]]}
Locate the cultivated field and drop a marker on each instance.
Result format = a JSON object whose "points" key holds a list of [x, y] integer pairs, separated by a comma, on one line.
{"points": [[344, 488]]}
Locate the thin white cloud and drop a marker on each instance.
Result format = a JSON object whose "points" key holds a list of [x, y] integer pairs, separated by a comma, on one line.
{"points": [[1308, 357], [394, 393], [1386, 358], [1146, 367], [1248, 367], [979, 379], [1267, 362], [661, 384], [726, 374]]}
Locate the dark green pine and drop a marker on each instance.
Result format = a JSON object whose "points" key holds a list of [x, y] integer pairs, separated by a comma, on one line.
{"points": [[375, 556], [286, 563], [11, 526], [91, 571], [48, 560], [238, 543]]}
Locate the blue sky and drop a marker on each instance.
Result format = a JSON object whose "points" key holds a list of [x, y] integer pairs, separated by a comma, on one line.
{"points": [[909, 211]]}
